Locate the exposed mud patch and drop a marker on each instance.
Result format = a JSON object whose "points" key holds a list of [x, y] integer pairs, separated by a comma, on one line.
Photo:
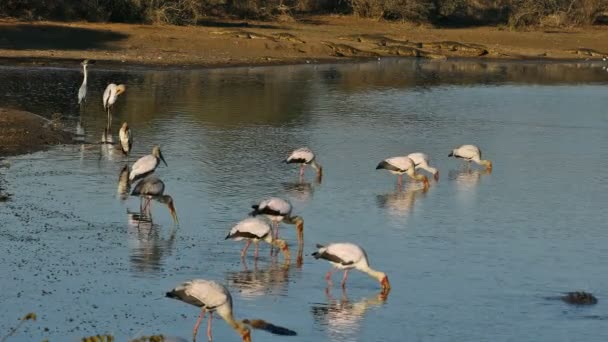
{"points": [[25, 132]]}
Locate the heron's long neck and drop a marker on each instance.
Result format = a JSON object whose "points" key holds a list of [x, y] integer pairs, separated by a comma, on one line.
{"points": [[84, 67], [315, 165], [372, 273]]}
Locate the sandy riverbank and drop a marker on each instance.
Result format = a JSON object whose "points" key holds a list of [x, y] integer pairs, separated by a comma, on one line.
{"points": [[324, 38]]}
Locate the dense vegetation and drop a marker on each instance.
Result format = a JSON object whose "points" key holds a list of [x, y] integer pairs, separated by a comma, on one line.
{"points": [[514, 13]]}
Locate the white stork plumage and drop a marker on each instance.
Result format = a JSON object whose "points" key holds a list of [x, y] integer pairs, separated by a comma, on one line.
{"points": [[151, 188], [401, 165], [147, 164], [214, 297], [254, 230], [277, 210], [346, 256], [471, 153], [126, 139], [421, 161], [110, 95], [305, 156]]}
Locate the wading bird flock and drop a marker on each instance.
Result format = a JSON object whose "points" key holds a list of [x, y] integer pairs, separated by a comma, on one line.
{"points": [[212, 297]]}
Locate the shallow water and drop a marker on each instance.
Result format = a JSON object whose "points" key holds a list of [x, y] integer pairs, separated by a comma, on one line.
{"points": [[474, 258]]}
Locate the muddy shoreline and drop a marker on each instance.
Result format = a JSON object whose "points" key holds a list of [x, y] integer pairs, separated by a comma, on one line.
{"points": [[24, 132], [325, 39]]}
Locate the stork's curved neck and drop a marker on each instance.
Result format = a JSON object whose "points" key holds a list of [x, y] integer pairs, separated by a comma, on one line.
{"points": [[372, 273], [431, 169], [226, 314]]}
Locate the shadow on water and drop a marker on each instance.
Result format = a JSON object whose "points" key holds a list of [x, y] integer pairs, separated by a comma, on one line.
{"points": [[148, 247], [342, 318], [54, 37]]}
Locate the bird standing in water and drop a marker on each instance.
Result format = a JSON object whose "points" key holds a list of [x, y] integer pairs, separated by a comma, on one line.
{"points": [[305, 156], [471, 153], [82, 91], [153, 188], [110, 95], [421, 161], [254, 230], [277, 210], [147, 164], [126, 139], [346, 256], [401, 165], [213, 297]]}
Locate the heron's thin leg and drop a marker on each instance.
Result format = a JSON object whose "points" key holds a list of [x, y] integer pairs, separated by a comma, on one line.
{"points": [[257, 247], [198, 322]]}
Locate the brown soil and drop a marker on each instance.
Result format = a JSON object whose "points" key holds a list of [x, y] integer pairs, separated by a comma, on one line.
{"points": [[314, 39], [24, 132]]}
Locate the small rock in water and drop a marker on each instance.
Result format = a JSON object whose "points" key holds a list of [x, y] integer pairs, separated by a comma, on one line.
{"points": [[579, 298]]}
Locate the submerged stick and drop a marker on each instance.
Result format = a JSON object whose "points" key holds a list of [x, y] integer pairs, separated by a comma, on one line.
{"points": [[29, 316]]}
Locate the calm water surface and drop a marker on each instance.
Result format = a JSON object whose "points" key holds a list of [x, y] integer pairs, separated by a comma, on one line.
{"points": [[472, 259]]}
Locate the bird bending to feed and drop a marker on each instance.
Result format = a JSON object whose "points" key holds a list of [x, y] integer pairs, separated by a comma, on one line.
{"points": [[346, 256], [82, 92], [214, 297], [110, 95], [305, 156], [277, 210], [126, 140], [421, 161], [471, 153], [254, 230], [147, 164], [153, 188], [401, 165]]}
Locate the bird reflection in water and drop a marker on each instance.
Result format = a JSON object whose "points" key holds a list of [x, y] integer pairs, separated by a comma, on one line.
{"points": [[342, 318], [467, 178], [401, 202], [300, 191], [256, 282], [148, 248], [124, 186], [107, 145], [466, 181]]}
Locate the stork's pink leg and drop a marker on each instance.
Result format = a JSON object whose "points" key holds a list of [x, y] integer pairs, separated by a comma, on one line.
{"points": [[302, 166], [257, 247], [244, 251], [344, 278], [400, 180], [209, 327], [329, 274], [276, 230], [198, 322]]}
